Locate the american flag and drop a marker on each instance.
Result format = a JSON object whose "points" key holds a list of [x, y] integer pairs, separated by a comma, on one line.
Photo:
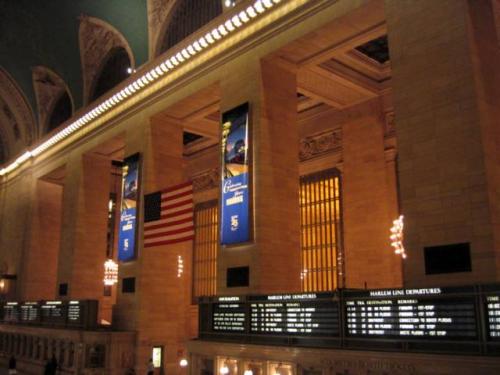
{"points": [[168, 216]]}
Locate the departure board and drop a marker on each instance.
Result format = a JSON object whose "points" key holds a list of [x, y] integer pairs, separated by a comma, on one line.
{"points": [[411, 313], [307, 314], [11, 312], [493, 312], [53, 312], [30, 312], [229, 315]]}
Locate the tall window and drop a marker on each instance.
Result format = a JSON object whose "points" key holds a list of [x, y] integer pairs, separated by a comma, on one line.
{"points": [[205, 249], [320, 230]]}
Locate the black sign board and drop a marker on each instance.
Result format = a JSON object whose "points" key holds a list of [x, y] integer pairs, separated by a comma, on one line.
{"points": [[11, 312], [308, 314], [53, 313], [229, 317], [431, 313], [29, 312], [493, 318]]}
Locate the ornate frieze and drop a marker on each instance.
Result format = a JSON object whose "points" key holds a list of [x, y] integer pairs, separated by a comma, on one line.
{"points": [[319, 144], [206, 181], [48, 88], [158, 11]]}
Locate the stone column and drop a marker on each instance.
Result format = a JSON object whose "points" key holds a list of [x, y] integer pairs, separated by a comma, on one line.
{"points": [[444, 59], [40, 268], [84, 226], [274, 254], [159, 309], [368, 200]]}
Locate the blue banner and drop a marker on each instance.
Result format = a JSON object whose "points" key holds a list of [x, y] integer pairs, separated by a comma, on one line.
{"points": [[128, 211], [235, 197]]}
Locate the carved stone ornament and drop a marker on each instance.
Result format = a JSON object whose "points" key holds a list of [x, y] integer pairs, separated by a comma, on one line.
{"points": [[17, 123], [48, 89], [206, 181], [316, 145], [158, 11], [97, 39]]}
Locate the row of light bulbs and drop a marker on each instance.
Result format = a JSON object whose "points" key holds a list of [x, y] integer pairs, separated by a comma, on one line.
{"points": [[171, 63]]}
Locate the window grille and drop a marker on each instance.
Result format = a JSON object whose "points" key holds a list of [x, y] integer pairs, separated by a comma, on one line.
{"points": [[321, 255]]}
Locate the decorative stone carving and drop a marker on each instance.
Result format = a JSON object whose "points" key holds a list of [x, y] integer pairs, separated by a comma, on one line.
{"points": [[329, 141], [17, 122], [158, 11], [206, 181], [389, 125], [97, 38], [48, 89]]}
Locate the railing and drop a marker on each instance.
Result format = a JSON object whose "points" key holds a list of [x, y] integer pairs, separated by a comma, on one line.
{"points": [[447, 320]]}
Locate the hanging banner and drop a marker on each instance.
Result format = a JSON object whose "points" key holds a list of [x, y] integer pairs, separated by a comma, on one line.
{"points": [[128, 210], [235, 202]]}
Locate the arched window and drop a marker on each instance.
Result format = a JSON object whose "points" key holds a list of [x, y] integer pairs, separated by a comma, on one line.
{"points": [[187, 17], [114, 70], [60, 113]]}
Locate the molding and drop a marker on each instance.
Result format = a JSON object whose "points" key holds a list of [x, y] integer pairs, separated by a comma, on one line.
{"points": [[206, 180], [320, 144]]}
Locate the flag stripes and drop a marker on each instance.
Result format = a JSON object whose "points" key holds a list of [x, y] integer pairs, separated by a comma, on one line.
{"points": [[168, 216]]}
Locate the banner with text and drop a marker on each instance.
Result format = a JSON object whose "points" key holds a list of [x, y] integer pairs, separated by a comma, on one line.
{"points": [[235, 205], [128, 211]]}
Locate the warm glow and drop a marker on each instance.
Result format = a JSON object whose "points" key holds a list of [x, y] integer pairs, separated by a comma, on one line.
{"points": [[183, 362], [397, 237], [110, 272], [224, 370], [180, 266]]}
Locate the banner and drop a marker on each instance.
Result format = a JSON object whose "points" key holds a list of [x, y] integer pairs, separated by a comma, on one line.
{"points": [[235, 208], [128, 208]]}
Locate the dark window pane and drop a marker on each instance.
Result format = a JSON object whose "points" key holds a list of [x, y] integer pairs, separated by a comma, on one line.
{"points": [[113, 72], [128, 285], [60, 113], [237, 277], [447, 258], [189, 16]]}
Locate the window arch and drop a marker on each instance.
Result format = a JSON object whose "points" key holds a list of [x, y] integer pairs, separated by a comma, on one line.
{"points": [[115, 69], [61, 111], [187, 17]]}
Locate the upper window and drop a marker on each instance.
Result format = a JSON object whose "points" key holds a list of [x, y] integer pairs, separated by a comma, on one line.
{"points": [[114, 70], [205, 249], [187, 17], [60, 113], [320, 230]]}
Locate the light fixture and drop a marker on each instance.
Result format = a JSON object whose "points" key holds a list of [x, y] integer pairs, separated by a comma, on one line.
{"points": [[110, 272], [224, 370], [397, 237], [180, 266], [248, 372], [183, 362]]}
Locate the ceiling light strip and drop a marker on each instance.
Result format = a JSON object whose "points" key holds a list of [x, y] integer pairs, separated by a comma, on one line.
{"points": [[171, 63]]}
